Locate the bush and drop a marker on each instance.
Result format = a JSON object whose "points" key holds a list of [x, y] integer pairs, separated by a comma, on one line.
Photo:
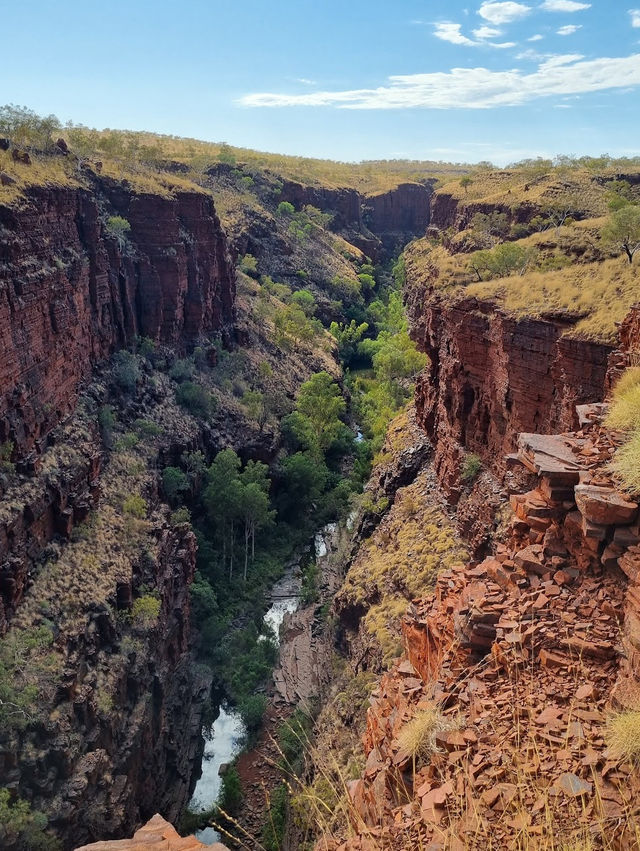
{"points": [[182, 370], [174, 484], [106, 423], [252, 710], [6, 451], [470, 468], [145, 610], [119, 228], [195, 399], [418, 736], [23, 828], [128, 441], [147, 428], [623, 735], [135, 506], [180, 515], [230, 797], [126, 371], [286, 209]]}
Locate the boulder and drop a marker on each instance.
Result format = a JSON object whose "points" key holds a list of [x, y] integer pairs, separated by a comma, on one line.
{"points": [[605, 506], [156, 835]]}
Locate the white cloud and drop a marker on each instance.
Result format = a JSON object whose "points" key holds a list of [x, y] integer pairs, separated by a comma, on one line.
{"points": [[447, 31], [451, 32], [305, 81], [503, 13], [536, 37], [570, 29], [487, 32], [564, 6], [474, 88], [635, 17]]}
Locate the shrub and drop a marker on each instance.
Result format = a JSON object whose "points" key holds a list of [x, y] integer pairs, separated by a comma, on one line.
{"points": [[624, 412], [182, 370], [470, 468], [135, 506], [626, 464], [252, 710], [6, 451], [418, 736], [147, 428], [128, 441], [286, 209], [180, 515], [22, 827], [249, 265], [126, 371], [119, 228], [145, 610], [174, 483], [195, 399], [623, 735], [230, 797], [146, 347], [106, 422]]}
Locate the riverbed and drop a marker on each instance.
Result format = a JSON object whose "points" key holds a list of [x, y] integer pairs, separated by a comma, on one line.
{"points": [[226, 737]]}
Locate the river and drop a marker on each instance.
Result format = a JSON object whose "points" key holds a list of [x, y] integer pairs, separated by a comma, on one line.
{"points": [[226, 737]]}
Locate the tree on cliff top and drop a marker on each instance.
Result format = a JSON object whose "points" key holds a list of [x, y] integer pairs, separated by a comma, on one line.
{"points": [[622, 231]]}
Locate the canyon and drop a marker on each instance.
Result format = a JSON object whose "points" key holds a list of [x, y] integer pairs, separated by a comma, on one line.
{"points": [[521, 593]]}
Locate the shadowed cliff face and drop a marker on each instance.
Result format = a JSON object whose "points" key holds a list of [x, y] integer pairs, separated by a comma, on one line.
{"points": [[71, 294]]}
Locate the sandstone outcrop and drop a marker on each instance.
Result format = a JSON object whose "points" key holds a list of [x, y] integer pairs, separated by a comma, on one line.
{"points": [[72, 291], [156, 835]]}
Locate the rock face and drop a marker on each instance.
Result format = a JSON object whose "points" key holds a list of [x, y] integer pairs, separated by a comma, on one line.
{"points": [[71, 293], [400, 214], [492, 376], [101, 771], [156, 835]]}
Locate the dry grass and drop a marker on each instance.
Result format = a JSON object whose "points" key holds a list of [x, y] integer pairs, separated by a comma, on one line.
{"points": [[511, 187], [418, 736], [626, 464], [624, 412], [414, 542], [623, 735]]}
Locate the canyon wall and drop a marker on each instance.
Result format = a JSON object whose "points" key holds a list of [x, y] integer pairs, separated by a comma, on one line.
{"points": [[71, 293], [492, 376], [101, 766]]}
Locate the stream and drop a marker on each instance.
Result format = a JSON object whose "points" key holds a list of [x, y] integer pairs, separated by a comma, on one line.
{"points": [[225, 739]]}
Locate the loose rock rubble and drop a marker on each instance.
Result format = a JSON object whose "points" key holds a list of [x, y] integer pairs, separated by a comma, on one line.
{"points": [[525, 655]]}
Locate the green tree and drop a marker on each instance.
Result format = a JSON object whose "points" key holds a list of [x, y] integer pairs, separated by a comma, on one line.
{"points": [[23, 828], [466, 182], [285, 209], [119, 228], [221, 499], [293, 327], [321, 401], [304, 300], [622, 231], [126, 370], [348, 337], [174, 484]]}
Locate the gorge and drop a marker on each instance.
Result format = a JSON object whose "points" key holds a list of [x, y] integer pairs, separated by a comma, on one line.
{"points": [[191, 349]]}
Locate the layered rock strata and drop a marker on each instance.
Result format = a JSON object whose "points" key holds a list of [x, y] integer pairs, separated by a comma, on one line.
{"points": [[73, 290]]}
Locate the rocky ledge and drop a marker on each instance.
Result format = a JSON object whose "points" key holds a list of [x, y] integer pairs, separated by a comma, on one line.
{"points": [[156, 835]]}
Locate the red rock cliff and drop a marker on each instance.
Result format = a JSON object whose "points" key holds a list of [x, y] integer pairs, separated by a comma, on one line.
{"points": [[70, 295], [492, 376]]}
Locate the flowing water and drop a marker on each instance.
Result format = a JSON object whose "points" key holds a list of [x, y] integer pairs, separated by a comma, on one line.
{"points": [[225, 739]]}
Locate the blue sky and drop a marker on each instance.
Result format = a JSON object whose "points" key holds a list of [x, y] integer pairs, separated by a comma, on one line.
{"points": [[460, 80]]}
